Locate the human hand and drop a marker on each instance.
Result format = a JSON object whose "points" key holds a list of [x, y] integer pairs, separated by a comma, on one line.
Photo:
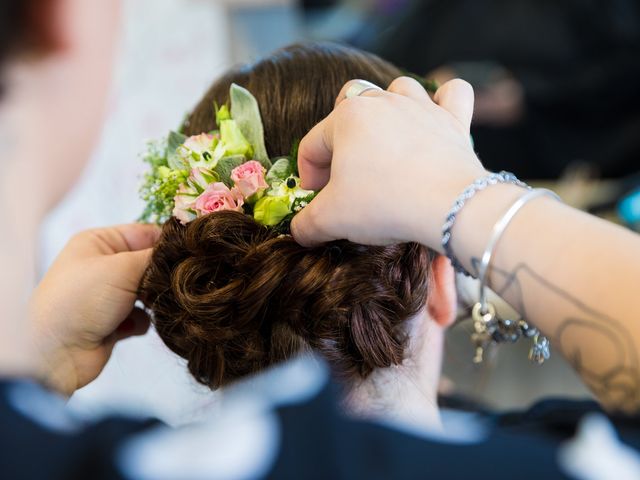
{"points": [[85, 303], [390, 165]]}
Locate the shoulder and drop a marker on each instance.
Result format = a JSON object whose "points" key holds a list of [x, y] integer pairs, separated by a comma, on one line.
{"points": [[287, 422]]}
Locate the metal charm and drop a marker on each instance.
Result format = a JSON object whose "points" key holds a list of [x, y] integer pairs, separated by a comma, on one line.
{"points": [[540, 350], [490, 329], [484, 326]]}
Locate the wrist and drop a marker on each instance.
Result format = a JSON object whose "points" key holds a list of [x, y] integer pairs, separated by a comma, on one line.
{"points": [[53, 363], [20, 357], [436, 204], [56, 371], [476, 220]]}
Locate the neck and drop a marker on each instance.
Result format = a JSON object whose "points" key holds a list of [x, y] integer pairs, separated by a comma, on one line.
{"points": [[405, 394]]}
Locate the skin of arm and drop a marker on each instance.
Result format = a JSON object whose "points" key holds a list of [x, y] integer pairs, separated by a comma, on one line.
{"points": [[576, 277]]}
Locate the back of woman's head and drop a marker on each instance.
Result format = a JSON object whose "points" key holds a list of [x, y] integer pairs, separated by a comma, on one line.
{"points": [[233, 297]]}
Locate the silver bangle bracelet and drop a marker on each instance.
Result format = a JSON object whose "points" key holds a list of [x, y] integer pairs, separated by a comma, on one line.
{"points": [[489, 327], [499, 229], [469, 192]]}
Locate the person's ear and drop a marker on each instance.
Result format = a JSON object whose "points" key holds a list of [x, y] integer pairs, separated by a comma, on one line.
{"points": [[442, 297]]}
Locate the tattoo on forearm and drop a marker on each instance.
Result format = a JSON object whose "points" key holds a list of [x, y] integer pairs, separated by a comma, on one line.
{"points": [[612, 369]]}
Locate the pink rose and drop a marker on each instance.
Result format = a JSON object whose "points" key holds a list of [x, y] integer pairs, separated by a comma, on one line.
{"points": [[218, 197], [184, 209], [249, 178]]}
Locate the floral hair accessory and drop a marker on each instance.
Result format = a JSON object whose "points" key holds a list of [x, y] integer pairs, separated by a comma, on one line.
{"points": [[227, 169]]}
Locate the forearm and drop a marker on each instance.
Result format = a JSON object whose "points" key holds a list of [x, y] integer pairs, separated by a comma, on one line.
{"points": [[575, 277]]}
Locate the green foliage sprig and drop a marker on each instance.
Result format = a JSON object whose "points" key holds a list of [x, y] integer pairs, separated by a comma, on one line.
{"points": [[160, 183]]}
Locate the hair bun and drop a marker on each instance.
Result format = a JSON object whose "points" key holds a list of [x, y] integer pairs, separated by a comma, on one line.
{"points": [[233, 297]]}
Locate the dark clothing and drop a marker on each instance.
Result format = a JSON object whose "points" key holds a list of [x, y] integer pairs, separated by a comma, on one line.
{"points": [[315, 440]]}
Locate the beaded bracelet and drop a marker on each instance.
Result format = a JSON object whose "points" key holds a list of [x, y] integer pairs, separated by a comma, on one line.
{"points": [[470, 191]]}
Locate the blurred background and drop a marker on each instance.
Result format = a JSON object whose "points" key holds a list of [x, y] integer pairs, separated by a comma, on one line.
{"points": [[558, 103]]}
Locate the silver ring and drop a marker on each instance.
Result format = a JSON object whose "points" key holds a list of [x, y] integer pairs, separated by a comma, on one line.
{"points": [[358, 87]]}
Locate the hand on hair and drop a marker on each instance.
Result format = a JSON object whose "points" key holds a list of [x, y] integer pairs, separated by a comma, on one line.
{"points": [[85, 303], [390, 165]]}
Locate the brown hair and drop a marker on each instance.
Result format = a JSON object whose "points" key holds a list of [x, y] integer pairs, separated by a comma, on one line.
{"points": [[24, 26], [233, 297]]}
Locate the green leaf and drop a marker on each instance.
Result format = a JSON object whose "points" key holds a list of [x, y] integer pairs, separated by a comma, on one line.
{"points": [[246, 112], [280, 171], [174, 141], [294, 157], [226, 165]]}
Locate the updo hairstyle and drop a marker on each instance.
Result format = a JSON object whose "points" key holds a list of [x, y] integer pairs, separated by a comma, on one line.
{"points": [[233, 297]]}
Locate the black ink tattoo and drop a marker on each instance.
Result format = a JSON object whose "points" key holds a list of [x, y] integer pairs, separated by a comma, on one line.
{"points": [[615, 382]]}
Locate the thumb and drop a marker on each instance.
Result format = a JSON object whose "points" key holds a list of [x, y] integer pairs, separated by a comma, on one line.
{"points": [[456, 96], [309, 227], [112, 240], [138, 236], [130, 268]]}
